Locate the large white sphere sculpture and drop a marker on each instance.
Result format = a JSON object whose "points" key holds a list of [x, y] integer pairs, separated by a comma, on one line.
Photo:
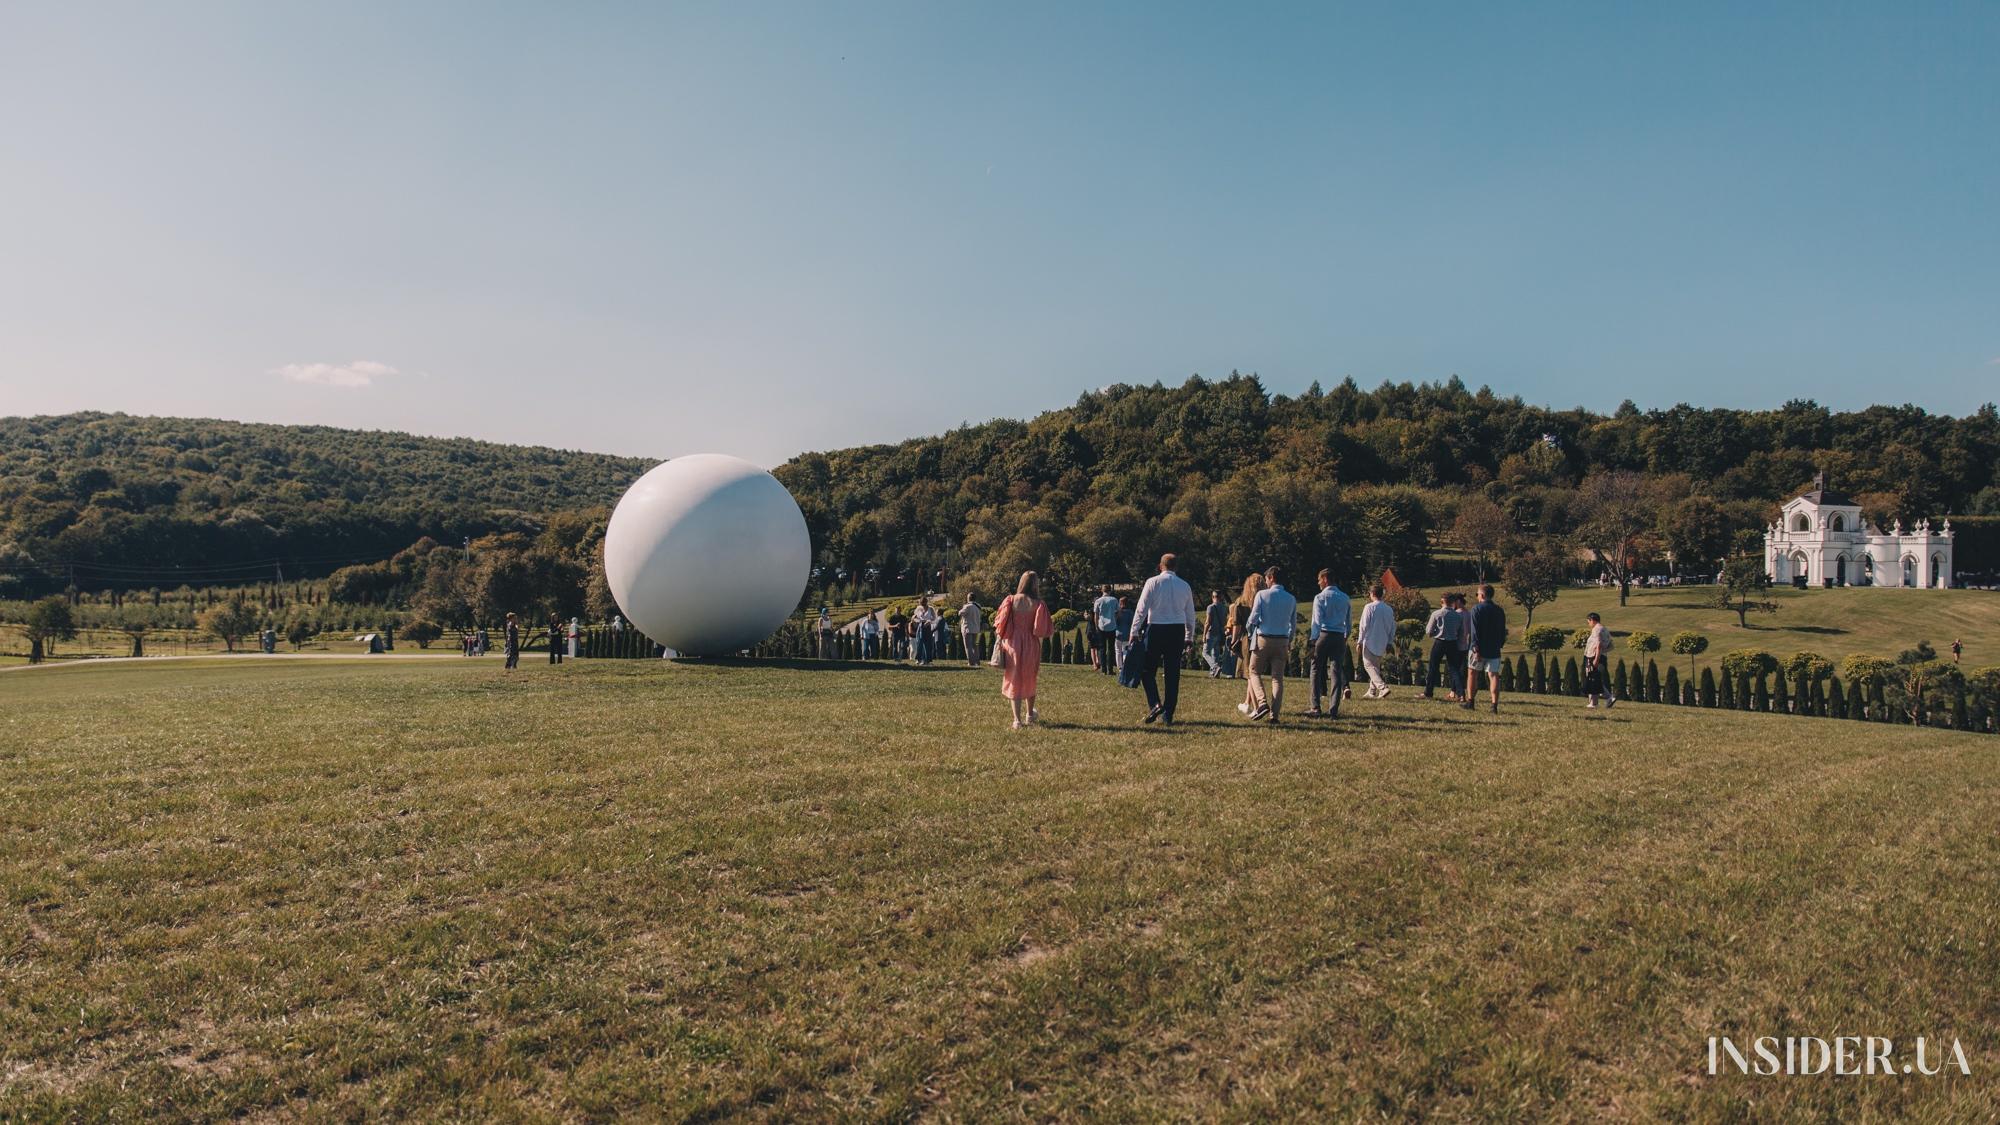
{"points": [[707, 554]]}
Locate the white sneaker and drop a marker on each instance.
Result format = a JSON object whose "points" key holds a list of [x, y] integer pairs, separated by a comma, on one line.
{"points": [[1590, 706], [1243, 708]]}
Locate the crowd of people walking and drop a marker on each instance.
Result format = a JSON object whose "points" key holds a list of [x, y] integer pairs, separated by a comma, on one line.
{"points": [[1146, 641]]}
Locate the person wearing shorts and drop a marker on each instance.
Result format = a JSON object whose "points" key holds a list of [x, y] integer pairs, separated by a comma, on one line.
{"points": [[1489, 636]]}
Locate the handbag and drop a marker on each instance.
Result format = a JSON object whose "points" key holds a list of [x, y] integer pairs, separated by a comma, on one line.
{"points": [[999, 657]]}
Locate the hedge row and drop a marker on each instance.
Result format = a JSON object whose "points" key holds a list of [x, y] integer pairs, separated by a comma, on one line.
{"points": [[1957, 707]]}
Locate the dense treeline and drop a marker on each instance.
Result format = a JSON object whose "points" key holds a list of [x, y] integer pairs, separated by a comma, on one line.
{"points": [[1426, 478], [138, 502], [1234, 477]]}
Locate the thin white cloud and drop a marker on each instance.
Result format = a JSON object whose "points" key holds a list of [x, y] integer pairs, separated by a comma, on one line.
{"points": [[359, 373], [1994, 362]]}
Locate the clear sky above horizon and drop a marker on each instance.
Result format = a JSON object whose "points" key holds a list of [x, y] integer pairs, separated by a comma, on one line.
{"points": [[765, 228]]}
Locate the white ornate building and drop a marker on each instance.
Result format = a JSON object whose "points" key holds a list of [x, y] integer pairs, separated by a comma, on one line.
{"points": [[1821, 537]]}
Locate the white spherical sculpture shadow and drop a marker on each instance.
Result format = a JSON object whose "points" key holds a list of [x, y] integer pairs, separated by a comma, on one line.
{"points": [[707, 554]]}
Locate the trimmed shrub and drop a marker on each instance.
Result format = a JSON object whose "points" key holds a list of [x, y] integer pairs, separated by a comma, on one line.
{"points": [[1063, 619], [1836, 699], [1743, 692], [1653, 683], [1673, 688], [1520, 673], [1748, 662], [1507, 677], [1781, 697], [1643, 641], [1541, 680], [1760, 693], [1580, 637], [1544, 638], [1620, 684], [1709, 698], [1572, 682], [1810, 665], [1687, 695]]}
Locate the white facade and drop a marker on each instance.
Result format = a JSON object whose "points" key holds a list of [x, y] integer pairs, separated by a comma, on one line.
{"points": [[1821, 537]]}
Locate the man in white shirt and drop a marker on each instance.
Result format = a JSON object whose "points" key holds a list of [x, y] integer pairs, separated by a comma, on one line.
{"points": [[1165, 617], [1274, 616], [1596, 650], [1104, 631], [969, 619], [871, 635], [1378, 632]]}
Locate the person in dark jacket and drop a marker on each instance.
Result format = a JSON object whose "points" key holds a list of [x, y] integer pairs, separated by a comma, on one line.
{"points": [[1489, 635], [513, 634], [555, 639]]}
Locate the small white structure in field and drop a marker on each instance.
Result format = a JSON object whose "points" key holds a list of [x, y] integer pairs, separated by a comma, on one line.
{"points": [[1822, 538], [707, 554]]}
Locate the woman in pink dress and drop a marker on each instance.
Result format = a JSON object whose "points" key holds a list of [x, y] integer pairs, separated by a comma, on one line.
{"points": [[1020, 626]]}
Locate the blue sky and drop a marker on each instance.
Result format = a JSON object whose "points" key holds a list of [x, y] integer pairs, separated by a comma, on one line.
{"points": [[762, 228]]}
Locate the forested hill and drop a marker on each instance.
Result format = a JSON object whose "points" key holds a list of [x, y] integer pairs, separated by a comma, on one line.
{"points": [[1358, 479], [140, 501]]}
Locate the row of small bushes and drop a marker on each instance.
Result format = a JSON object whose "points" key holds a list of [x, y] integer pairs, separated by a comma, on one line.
{"points": [[1924, 693]]}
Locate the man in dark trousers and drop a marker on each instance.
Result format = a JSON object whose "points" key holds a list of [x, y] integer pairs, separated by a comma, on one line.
{"points": [[1166, 613], [1442, 629], [513, 642], [1489, 635], [1332, 620], [555, 639]]}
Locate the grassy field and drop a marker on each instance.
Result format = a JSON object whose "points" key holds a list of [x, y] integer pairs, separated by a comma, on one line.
{"points": [[334, 889], [1833, 623]]}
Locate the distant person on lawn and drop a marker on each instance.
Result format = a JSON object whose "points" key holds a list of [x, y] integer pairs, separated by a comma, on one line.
{"points": [[1104, 631], [1214, 631], [969, 619], [920, 629], [1273, 620], [1442, 628], [1239, 632], [555, 639], [1121, 628], [825, 634], [513, 641], [1332, 619], [1489, 636], [1166, 613], [1019, 629], [1378, 632], [871, 635], [1957, 648], [1596, 647]]}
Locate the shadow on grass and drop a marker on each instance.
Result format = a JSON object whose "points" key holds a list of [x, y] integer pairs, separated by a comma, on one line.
{"points": [[808, 664]]}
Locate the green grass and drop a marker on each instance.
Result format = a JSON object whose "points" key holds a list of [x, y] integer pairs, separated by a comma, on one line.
{"points": [[434, 890], [1834, 623]]}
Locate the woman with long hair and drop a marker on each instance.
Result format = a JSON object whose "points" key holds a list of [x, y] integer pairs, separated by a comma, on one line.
{"points": [[1239, 630], [1019, 629]]}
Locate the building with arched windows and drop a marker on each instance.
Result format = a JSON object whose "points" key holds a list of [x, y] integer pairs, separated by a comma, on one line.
{"points": [[1822, 538]]}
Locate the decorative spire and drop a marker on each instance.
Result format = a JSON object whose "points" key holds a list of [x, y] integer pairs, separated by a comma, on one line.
{"points": [[1819, 481]]}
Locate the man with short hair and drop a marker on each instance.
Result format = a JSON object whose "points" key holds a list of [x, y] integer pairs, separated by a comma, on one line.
{"points": [[1273, 620], [1378, 633], [1596, 650], [1215, 621], [970, 617], [1442, 628], [1332, 618], [1104, 631], [1166, 613], [1489, 636]]}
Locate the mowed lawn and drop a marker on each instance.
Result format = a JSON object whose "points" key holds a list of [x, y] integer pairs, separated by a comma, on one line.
{"points": [[432, 890], [1834, 623]]}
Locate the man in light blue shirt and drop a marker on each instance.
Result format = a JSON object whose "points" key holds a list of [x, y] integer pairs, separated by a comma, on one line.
{"points": [[1274, 617], [1332, 620], [1104, 631]]}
